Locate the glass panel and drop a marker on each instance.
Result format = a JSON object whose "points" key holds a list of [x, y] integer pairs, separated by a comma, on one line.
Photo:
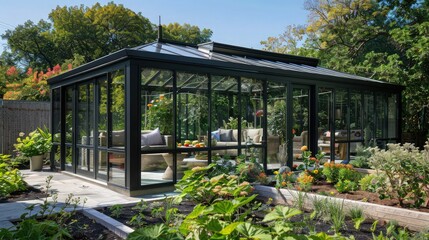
{"points": [[252, 111], [356, 133], [224, 116], [340, 114], [300, 113], [368, 117], [117, 168], [102, 111], [392, 117], [69, 114], [192, 109], [68, 156], [156, 126], [56, 112], [381, 114], [102, 164], [117, 109], [324, 117], [277, 125], [56, 149]]}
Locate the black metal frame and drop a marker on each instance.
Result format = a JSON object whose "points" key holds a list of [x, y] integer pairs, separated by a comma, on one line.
{"points": [[132, 61]]}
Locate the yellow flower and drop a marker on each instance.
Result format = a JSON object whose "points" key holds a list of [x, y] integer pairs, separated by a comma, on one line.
{"points": [[276, 172], [284, 184], [316, 171], [150, 105], [332, 193], [304, 148]]}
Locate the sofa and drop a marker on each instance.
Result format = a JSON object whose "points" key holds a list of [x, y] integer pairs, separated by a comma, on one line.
{"points": [[150, 139], [229, 138]]}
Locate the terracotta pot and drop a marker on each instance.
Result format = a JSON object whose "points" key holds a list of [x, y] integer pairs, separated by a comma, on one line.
{"points": [[36, 163]]}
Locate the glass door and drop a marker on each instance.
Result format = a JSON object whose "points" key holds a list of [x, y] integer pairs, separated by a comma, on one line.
{"points": [[300, 121]]}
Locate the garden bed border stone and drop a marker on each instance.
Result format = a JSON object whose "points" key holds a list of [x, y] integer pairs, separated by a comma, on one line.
{"points": [[411, 219]]}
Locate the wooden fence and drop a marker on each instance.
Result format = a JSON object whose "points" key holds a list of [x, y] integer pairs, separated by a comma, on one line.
{"points": [[21, 116]]}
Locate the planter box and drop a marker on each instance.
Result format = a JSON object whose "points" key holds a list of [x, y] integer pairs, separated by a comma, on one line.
{"points": [[413, 220]]}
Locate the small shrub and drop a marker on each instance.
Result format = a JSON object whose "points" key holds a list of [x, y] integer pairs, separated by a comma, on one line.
{"points": [[116, 210], [10, 177], [366, 183], [405, 170], [197, 186], [344, 186], [338, 171], [304, 182], [362, 156]]}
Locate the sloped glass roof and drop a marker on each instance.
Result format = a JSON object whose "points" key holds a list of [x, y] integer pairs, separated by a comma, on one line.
{"points": [[258, 58]]}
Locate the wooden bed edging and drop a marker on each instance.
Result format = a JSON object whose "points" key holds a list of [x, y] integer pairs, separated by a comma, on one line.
{"points": [[413, 220]]}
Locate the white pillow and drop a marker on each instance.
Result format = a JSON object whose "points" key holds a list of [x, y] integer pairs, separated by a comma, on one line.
{"points": [[152, 138]]}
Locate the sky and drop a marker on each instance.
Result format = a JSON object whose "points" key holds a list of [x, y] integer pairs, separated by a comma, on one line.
{"points": [[237, 22]]}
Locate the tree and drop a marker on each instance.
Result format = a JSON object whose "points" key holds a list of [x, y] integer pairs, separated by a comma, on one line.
{"points": [[90, 32], [33, 44], [186, 33], [381, 39]]}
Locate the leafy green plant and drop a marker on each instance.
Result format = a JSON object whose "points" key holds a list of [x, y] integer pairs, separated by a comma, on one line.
{"points": [[367, 183], [403, 171], [338, 171], [197, 186], [160, 231], [362, 156], [116, 210], [160, 114], [36, 143], [344, 186], [337, 215], [357, 215], [10, 177], [166, 212], [138, 219]]}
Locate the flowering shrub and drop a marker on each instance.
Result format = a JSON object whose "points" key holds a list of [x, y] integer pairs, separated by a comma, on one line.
{"points": [[309, 160], [404, 171], [36, 143], [284, 179], [160, 114], [335, 172], [33, 86], [346, 186], [304, 181]]}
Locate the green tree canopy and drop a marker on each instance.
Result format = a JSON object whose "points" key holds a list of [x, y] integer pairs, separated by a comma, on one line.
{"points": [[89, 32], [381, 39]]}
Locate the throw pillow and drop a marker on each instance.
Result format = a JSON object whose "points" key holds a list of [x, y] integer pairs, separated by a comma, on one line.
{"points": [[152, 138], [257, 138], [216, 135], [225, 135]]}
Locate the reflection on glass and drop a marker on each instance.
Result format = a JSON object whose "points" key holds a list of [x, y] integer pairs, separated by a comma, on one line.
{"points": [[356, 133], [117, 168], [117, 109], [102, 163], [368, 116], [277, 125], [392, 116], [156, 126], [300, 120], [192, 109], [252, 111], [324, 115], [68, 156], [381, 116], [69, 114], [56, 113], [224, 117], [102, 111]]}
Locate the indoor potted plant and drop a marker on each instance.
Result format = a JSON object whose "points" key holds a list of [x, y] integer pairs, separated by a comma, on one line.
{"points": [[34, 146]]}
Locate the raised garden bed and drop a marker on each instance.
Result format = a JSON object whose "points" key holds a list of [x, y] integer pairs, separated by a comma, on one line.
{"points": [[410, 219]]}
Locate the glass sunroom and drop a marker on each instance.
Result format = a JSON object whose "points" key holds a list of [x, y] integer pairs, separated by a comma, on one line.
{"points": [[138, 118]]}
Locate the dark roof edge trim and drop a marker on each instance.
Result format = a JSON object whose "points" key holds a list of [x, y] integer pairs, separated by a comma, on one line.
{"points": [[108, 59], [259, 54]]}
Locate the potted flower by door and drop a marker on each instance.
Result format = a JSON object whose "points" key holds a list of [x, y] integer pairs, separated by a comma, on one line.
{"points": [[34, 146]]}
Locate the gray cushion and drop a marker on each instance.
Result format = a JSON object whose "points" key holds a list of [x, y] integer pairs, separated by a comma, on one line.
{"points": [[152, 138], [225, 135]]}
